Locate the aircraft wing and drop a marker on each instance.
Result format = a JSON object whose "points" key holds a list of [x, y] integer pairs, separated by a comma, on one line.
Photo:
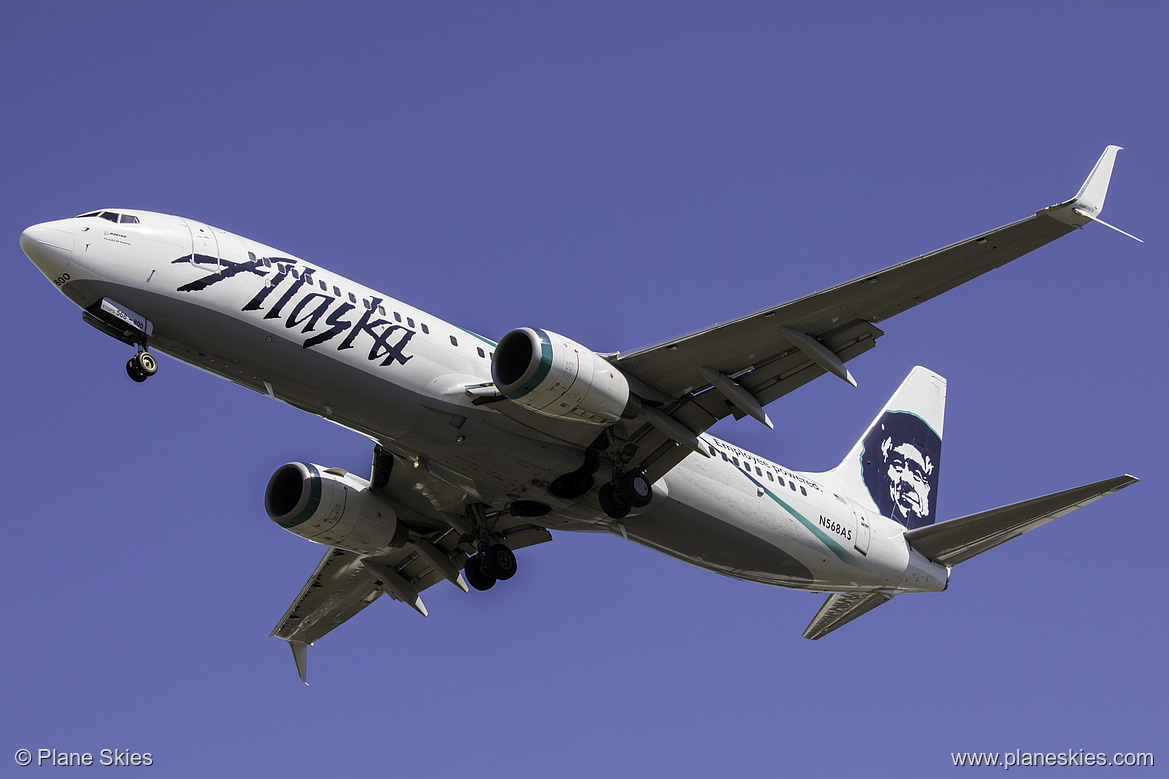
{"points": [[338, 589], [737, 367], [345, 582]]}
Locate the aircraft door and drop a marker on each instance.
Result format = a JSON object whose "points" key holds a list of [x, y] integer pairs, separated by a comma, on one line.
{"points": [[204, 246], [861, 541]]}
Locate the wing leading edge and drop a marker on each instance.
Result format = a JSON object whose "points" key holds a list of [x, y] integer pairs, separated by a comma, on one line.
{"points": [[772, 352]]}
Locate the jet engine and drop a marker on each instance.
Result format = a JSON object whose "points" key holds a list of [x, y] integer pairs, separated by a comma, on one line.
{"points": [[331, 506], [552, 375]]}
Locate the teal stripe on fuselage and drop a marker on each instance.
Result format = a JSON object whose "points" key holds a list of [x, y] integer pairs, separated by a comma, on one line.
{"points": [[827, 540]]}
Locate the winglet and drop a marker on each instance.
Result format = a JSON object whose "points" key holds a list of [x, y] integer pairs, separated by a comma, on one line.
{"points": [[1090, 198], [1089, 201], [300, 655]]}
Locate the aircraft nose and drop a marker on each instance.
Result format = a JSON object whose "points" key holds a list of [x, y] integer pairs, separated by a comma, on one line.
{"points": [[50, 246]]}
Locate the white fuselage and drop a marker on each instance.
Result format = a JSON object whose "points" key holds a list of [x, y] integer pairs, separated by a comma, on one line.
{"points": [[330, 346]]}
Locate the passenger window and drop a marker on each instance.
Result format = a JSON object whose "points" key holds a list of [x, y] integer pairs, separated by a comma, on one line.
{"points": [[337, 291], [453, 341], [770, 477], [397, 317], [735, 460], [128, 219], [251, 256], [324, 286], [792, 484], [409, 321], [352, 298], [292, 272], [758, 471], [803, 492], [381, 310], [425, 329], [267, 263], [724, 454], [365, 303], [780, 480], [481, 354]]}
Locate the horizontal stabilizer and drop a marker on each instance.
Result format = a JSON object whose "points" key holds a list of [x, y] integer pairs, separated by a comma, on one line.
{"points": [[842, 608], [958, 540]]}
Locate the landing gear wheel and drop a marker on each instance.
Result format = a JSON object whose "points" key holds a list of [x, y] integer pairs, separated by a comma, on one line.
{"points": [[636, 489], [135, 372], [383, 464], [499, 562], [612, 502], [147, 363], [477, 575]]}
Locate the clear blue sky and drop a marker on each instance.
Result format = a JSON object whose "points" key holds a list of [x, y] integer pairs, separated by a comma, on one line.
{"points": [[620, 173]]}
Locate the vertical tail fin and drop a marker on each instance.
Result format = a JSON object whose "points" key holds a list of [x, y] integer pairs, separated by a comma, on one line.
{"points": [[893, 469]]}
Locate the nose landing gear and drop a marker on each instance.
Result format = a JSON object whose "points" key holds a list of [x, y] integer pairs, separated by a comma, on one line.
{"points": [[141, 366]]}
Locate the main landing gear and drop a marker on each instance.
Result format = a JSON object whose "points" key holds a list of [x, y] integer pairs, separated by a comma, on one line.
{"points": [[141, 366], [494, 561], [627, 491]]}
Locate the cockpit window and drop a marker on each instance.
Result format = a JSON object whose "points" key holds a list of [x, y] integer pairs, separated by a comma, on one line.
{"points": [[112, 216]]}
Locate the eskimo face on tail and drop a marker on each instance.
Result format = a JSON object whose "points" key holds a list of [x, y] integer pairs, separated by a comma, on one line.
{"points": [[900, 462]]}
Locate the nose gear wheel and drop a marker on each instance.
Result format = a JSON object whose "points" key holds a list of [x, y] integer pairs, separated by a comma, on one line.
{"points": [[141, 366]]}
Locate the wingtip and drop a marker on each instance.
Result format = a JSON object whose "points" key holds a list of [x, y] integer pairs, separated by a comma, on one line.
{"points": [[1086, 206], [1091, 196], [300, 655]]}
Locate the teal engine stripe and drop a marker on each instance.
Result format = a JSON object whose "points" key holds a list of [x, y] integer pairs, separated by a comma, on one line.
{"points": [[314, 499], [541, 372]]}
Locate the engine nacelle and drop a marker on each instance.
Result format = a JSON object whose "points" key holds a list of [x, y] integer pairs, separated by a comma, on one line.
{"points": [[330, 506], [552, 375]]}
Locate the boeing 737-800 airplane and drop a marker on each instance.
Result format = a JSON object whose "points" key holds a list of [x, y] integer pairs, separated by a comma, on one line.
{"points": [[482, 448]]}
